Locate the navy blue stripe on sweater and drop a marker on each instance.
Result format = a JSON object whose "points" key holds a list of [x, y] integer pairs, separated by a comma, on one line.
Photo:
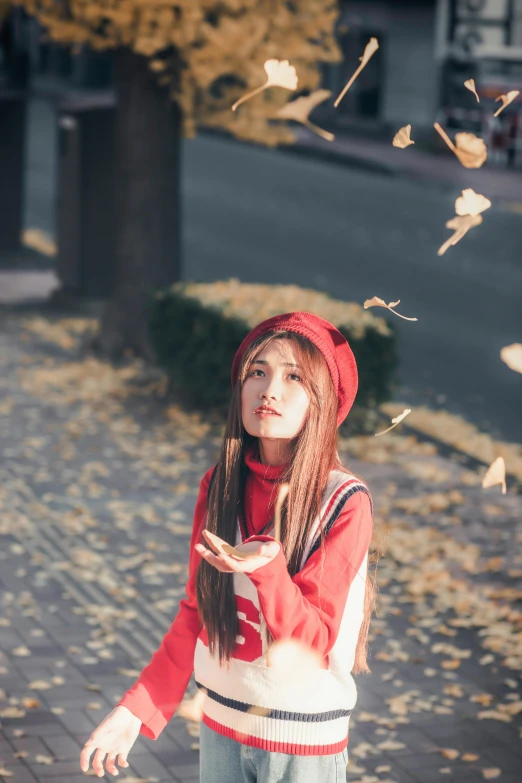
{"points": [[335, 514], [265, 712]]}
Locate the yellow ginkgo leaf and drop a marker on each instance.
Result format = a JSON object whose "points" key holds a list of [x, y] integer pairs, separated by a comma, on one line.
{"points": [[248, 550], [450, 753], [470, 85], [512, 356], [279, 74], [38, 240], [395, 421], [506, 100], [402, 138], [469, 149], [461, 226], [41, 759], [377, 302], [495, 474], [471, 203], [221, 547], [370, 49], [490, 773], [299, 110]]}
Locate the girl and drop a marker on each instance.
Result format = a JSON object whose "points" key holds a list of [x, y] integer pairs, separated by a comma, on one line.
{"points": [[294, 380]]}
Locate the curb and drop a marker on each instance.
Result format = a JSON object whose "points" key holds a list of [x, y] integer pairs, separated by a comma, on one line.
{"points": [[343, 158], [465, 460], [331, 155]]}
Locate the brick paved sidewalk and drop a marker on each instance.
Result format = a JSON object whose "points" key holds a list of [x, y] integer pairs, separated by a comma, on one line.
{"points": [[99, 479]]}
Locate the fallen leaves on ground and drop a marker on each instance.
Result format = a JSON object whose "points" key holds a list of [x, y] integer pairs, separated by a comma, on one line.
{"points": [[427, 576], [462, 435]]}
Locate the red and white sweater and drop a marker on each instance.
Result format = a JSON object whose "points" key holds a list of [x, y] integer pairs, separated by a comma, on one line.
{"points": [[322, 606]]}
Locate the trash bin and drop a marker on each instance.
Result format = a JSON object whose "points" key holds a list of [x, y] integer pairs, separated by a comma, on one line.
{"points": [[85, 203]]}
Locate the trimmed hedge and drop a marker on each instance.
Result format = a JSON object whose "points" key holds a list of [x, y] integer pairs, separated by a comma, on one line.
{"points": [[196, 329]]}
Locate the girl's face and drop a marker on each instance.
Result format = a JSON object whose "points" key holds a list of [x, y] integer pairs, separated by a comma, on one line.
{"points": [[274, 379]]}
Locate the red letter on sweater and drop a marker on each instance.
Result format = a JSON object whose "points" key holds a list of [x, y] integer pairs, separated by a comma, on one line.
{"points": [[249, 645]]}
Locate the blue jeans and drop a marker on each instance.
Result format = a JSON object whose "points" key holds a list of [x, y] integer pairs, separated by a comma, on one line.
{"points": [[223, 760]]}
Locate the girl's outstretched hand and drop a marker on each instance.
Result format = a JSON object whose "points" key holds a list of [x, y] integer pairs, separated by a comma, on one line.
{"points": [[114, 737], [259, 554]]}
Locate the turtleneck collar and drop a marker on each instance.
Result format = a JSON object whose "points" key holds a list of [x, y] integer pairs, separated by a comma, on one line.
{"points": [[263, 472]]}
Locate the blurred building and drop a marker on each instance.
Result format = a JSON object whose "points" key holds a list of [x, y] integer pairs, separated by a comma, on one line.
{"points": [[399, 85], [427, 50]]}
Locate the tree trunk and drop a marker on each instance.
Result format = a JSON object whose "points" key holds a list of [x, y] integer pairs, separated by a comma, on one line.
{"points": [[148, 130]]}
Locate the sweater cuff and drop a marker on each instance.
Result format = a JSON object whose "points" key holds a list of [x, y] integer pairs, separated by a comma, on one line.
{"points": [[273, 569], [139, 702]]}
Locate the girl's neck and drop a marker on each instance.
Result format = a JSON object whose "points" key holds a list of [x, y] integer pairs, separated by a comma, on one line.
{"points": [[275, 456], [262, 470]]}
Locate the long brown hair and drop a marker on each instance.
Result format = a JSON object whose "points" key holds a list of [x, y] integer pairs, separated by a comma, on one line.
{"points": [[307, 472]]}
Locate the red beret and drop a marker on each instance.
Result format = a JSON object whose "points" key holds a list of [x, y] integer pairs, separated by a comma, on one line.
{"points": [[332, 344]]}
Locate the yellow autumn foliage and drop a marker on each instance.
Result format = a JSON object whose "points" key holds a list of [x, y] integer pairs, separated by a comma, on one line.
{"points": [[213, 51]]}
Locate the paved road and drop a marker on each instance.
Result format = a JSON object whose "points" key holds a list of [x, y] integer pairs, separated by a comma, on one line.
{"points": [[266, 216]]}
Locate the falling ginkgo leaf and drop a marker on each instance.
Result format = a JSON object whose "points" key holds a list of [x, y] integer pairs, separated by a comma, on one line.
{"points": [[299, 110], [506, 100], [402, 138], [471, 203], [461, 225], [377, 302], [38, 240], [279, 74], [249, 549], [495, 474], [469, 149], [470, 84], [370, 49], [395, 421], [512, 356], [12, 712]]}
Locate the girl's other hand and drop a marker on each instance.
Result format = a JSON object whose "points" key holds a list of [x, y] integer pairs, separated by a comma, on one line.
{"points": [[115, 736], [260, 553]]}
